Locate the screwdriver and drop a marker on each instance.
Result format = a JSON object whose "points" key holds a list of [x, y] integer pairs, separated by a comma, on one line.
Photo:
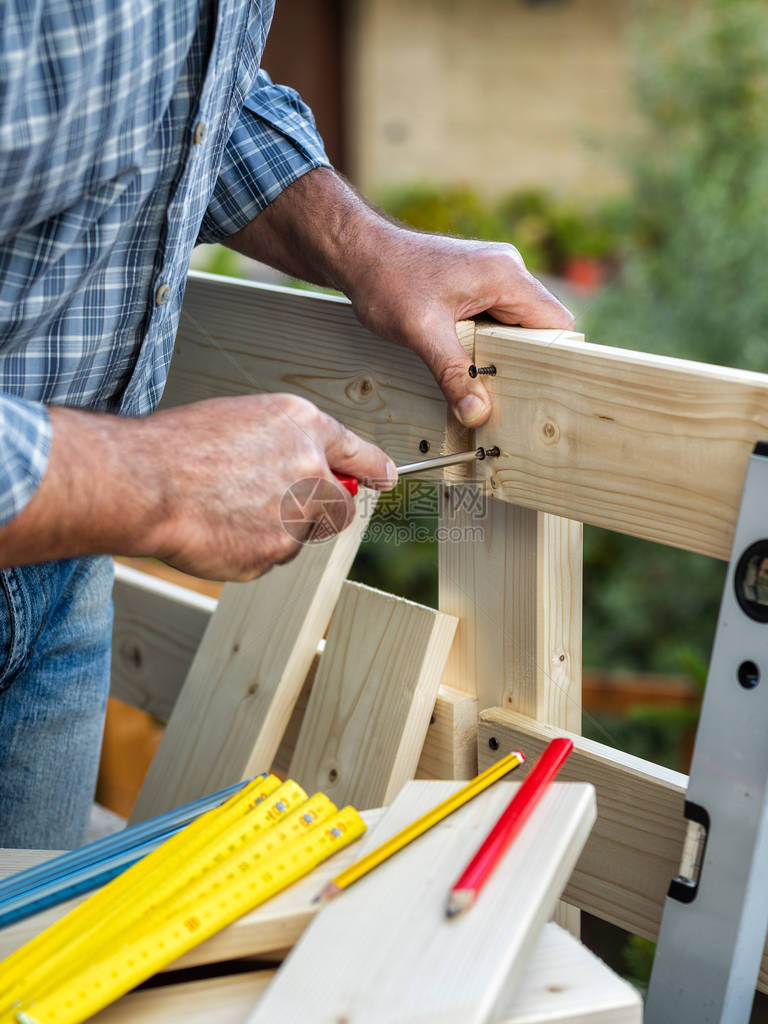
{"points": [[351, 484]]}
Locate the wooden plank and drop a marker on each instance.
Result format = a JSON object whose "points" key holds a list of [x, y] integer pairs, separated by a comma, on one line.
{"points": [[158, 627], [225, 1000], [238, 337], [563, 983], [513, 578], [450, 748], [370, 706], [281, 764], [385, 951], [639, 443], [514, 581], [248, 673]]}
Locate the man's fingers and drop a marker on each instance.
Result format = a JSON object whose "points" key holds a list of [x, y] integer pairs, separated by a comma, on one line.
{"points": [[467, 396], [349, 454], [534, 306]]}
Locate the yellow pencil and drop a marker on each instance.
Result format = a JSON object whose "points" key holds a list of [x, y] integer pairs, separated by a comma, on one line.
{"points": [[421, 825]]}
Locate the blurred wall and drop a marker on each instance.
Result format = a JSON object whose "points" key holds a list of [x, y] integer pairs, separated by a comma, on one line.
{"points": [[495, 93], [306, 48]]}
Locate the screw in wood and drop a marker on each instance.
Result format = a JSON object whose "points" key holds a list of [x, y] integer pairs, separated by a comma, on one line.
{"points": [[493, 743], [475, 371], [424, 447]]}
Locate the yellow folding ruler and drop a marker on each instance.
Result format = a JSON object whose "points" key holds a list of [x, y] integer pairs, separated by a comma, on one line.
{"points": [[221, 866]]}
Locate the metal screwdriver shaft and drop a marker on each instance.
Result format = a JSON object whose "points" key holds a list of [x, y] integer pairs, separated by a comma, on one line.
{"points": [[448, 460]]}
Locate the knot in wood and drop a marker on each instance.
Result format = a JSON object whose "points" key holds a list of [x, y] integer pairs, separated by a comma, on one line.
{"points": [[550, 432], [132, 654], [360, 389]]}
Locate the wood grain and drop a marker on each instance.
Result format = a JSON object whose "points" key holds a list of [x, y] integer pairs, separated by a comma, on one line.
{"points": [[513, 578], [370, 705], [385, 950], [155, 629], [248, 673], [158, 627], [638, 443], [562, 983], [225, 1000], [450, 747], [237, 337]]}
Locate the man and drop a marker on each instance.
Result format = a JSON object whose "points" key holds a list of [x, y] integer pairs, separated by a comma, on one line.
{"points": [[129, 132]]}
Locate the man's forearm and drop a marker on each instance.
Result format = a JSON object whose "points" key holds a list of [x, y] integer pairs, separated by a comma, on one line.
{"points": [[318, 229], [100, 494]]}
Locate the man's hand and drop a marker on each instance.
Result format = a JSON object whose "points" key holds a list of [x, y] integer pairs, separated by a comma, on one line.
{"points": [[199, 486], [423, 284], [406, 286]]}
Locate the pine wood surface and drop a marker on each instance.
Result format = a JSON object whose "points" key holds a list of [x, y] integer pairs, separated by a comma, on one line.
{"points": [[158, 628], [384, 950], [237, 337], [638, 443], [223, 1000], [516, 590], [562, 983], [370, 705], [450, 747], [248, 673]]}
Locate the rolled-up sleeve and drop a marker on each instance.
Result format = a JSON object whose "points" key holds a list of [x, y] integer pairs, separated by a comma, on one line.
{"points": [[25, 443], [274, 143]]}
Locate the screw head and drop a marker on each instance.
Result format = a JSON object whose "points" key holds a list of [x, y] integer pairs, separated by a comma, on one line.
{"points": [[473, 371], [493, 743], [423, 447]]}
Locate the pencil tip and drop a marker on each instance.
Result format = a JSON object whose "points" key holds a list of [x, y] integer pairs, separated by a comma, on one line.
{"points": [[331, 891], [459, 901]]}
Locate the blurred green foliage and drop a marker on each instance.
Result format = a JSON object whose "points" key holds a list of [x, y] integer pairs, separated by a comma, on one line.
{"points": [[692, 285], [547, 230]]}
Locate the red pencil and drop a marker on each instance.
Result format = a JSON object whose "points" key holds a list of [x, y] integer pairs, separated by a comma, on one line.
{"points": [[476, 874]]}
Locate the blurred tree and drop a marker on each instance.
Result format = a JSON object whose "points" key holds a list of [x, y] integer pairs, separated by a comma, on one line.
{"points": [[694, 276], [693, 286]]}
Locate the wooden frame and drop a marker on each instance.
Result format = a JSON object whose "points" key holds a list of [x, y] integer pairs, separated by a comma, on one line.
{"points": [[653, 447]]}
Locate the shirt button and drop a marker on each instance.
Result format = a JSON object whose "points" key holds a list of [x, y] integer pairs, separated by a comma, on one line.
{"points": [[201, 130], [162, 294]]}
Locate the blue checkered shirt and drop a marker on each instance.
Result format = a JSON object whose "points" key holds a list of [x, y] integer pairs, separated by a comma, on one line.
{"points": [[129, 131]]}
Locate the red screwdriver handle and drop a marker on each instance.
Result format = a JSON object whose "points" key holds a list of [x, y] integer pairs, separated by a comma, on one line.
{"points": [[349, 483]]}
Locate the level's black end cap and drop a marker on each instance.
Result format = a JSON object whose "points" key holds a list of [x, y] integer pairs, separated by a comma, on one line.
{"points": [[761, 448]]}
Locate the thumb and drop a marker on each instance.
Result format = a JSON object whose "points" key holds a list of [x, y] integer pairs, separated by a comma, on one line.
{"points": [[444, 355]]}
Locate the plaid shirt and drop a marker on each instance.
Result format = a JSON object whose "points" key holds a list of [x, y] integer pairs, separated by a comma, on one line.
{"points": [[129, 131]]}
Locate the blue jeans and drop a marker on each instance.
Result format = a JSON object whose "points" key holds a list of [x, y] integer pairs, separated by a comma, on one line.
{"points": [[55, 636]]}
